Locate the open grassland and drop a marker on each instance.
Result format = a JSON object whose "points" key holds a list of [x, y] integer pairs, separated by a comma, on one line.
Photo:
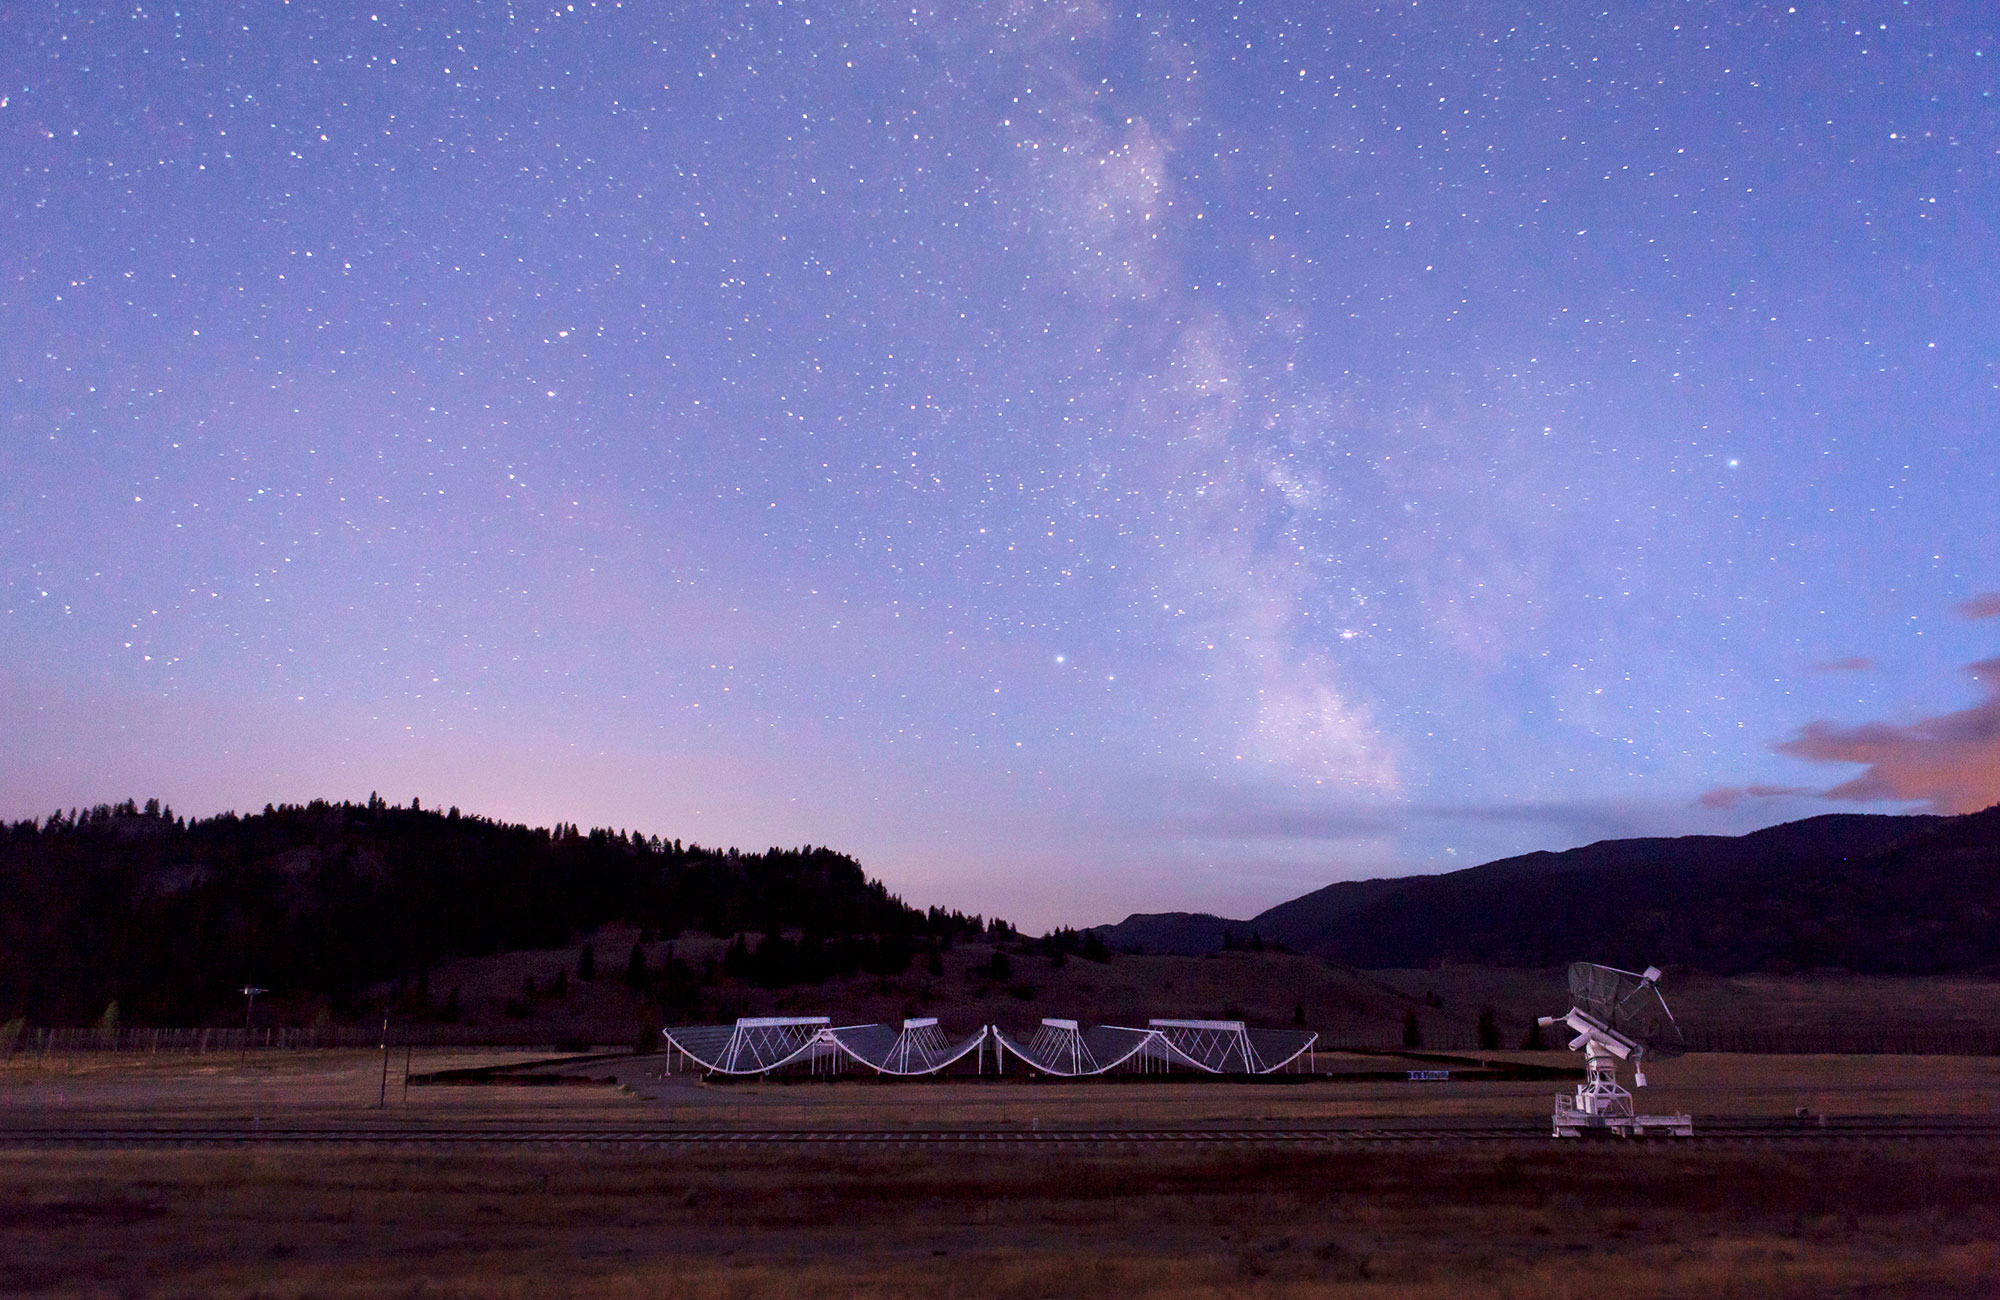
{"points": [[342, 1089], [1347, 1007], [1576, 1221], [1796, 1005], [1874, 1218]]}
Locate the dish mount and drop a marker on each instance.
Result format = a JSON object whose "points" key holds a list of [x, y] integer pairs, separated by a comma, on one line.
{"points": [[1617, 1016]]}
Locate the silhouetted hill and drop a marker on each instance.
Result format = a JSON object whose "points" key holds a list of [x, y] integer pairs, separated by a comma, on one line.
{"points": [[170, 918], [1890, 895]]}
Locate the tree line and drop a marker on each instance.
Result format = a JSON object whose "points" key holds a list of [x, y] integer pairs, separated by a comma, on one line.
{"points": [[170, 918]]}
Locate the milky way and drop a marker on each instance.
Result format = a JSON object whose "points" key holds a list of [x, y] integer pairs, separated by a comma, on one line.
{"points": [[1079, 459]]}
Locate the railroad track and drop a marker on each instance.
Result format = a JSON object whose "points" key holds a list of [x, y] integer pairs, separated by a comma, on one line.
{"points": [[1706, 1131]]}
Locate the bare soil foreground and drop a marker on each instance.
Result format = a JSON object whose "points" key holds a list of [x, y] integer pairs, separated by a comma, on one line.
{"points": [[1401, 1219]]}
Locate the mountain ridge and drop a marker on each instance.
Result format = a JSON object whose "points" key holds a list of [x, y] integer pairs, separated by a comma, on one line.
{"points": [[1808, 894]]}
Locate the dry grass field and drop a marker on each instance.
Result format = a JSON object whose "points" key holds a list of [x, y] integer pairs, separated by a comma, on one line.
{"points": [[1800, 1004], [1264, 987], [1855, 1218], [1631, 1221], [1347, 1007], [342, 1088]]}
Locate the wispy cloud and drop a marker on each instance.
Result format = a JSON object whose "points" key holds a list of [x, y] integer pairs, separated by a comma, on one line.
{"points": [[1950, 762], [1726, 797], [1985, 605], [1851, 665]]}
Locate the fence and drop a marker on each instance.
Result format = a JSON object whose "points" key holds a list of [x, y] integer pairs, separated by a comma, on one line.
{"points": [[1855, 1040], [275, 1038], [1858, 1040], [1852, 1041]]}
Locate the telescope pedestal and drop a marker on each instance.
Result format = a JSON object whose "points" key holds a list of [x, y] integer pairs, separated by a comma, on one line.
{"points": [[1603, 1106]]}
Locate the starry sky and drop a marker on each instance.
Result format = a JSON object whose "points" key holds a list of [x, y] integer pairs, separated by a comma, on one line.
{"points": [[1078, 458]]}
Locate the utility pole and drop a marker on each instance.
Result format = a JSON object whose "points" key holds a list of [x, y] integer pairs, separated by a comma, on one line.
{"points": [[250, 992], [382, 1101]]}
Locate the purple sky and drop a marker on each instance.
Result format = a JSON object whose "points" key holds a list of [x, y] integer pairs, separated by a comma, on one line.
{"points": [[1078, 459]]}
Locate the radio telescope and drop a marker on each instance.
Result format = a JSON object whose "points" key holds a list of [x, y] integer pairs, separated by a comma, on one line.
{"points": [[1616, 1015]]}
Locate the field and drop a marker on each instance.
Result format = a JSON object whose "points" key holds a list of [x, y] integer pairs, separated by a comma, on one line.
{"points": [[1268, 987], [1725, 1218], [1420, 1222]]}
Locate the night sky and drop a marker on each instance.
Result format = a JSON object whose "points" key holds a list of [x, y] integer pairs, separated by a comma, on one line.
{"points": [[1078, 459]]}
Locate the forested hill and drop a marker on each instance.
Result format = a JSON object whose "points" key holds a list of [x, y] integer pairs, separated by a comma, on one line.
{"points": [[170, 918], [1914, 895]]}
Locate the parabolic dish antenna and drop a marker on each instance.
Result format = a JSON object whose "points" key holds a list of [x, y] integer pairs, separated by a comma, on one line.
{"points": [[1618, 1016], [1629, 1005]]}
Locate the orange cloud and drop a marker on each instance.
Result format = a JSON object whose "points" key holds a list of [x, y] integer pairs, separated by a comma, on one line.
{"points": [[1728, 796], [1951, 762], [1985, 605]]}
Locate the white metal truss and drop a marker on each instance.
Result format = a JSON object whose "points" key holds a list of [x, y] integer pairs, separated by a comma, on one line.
{"points": [[1067, 1050], [763, 1044], [1218, 1046], [754, 1044], [1059, 1043], [1230, 1047], [920, 1047], [757, 1045]]}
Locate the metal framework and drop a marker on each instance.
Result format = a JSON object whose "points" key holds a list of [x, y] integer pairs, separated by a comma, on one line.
{"points": [[753, 1045], [1229, 1047], [762, 1045], [765, 1044], [919, 1048], [1067, 1050]]}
